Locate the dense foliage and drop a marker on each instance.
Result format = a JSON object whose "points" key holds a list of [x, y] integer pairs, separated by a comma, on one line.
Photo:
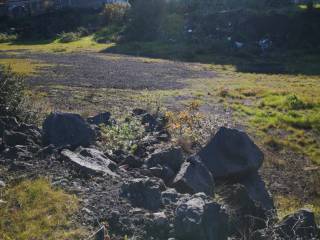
{"points": [[221, 23], [214, 24]]}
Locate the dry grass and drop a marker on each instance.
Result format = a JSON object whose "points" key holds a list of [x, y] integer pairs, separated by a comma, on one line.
{"points": [[34, 210], [24, 67]]}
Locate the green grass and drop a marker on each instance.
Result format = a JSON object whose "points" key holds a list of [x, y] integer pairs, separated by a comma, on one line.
{"points": [[55, 46], [289, 205], [282, 109], [34, 210], [22, 66]]}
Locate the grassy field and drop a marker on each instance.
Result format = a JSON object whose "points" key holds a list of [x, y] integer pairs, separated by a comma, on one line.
{"points": [[22, 66], [284, 110]]}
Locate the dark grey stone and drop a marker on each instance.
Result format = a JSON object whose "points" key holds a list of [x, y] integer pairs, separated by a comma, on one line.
{"points": [[194, 177], [12, 138], [63, 129], [143, 192], [201, 219], [231, 154], [300, 225], [171, 157], [102, 118]]}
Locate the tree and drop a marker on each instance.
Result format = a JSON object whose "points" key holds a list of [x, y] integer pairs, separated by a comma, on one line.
{"points": [[145, 17]]}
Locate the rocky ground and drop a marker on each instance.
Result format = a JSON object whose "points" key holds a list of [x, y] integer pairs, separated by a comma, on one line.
{"points": [[158, 191]]}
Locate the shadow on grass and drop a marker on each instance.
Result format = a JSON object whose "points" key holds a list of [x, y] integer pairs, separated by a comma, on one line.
{"points": [[297, 62], [32, 42]]}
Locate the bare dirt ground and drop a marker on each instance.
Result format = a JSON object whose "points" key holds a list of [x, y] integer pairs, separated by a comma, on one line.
{"points": [[112, 71]]}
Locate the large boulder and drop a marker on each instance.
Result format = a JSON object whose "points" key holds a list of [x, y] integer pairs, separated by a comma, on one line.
{"points": [[63, 129], [143, 192], [200, 218], [90, 161], [231, 154], [194, 177], [300, 225]]}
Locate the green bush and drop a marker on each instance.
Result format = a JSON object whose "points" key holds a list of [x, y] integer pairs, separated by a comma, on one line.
{"points": [[11, 92], [108, 34], [69, 37], [122, 135], [4, 37], [294, 103]]}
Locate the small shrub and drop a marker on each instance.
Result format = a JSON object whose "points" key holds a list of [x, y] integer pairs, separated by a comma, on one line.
{"points": [[11, 92], [108, 34], [294, 103], [224, 93], [69, 37], [82, 31], [34, 107], [123, 135], [4, 37], [17, 101], [186, 126]]}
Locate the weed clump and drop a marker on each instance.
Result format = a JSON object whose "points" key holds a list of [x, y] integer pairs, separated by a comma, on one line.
{"points": [[294, 103]]}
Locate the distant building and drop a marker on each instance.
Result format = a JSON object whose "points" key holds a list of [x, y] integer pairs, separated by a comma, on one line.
{"points": [[16, 8]]}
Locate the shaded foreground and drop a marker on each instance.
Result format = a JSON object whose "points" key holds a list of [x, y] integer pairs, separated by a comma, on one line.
{"points": [[156, 190]]}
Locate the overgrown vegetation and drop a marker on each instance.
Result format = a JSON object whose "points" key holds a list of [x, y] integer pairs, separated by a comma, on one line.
{"points": [[187, 126], [17, 101], [210, 26], [123, 135], [34, 210], [11, 92]]}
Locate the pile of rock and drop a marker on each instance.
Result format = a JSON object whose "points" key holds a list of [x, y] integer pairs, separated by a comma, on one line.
{"points": [[214, 194]]}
